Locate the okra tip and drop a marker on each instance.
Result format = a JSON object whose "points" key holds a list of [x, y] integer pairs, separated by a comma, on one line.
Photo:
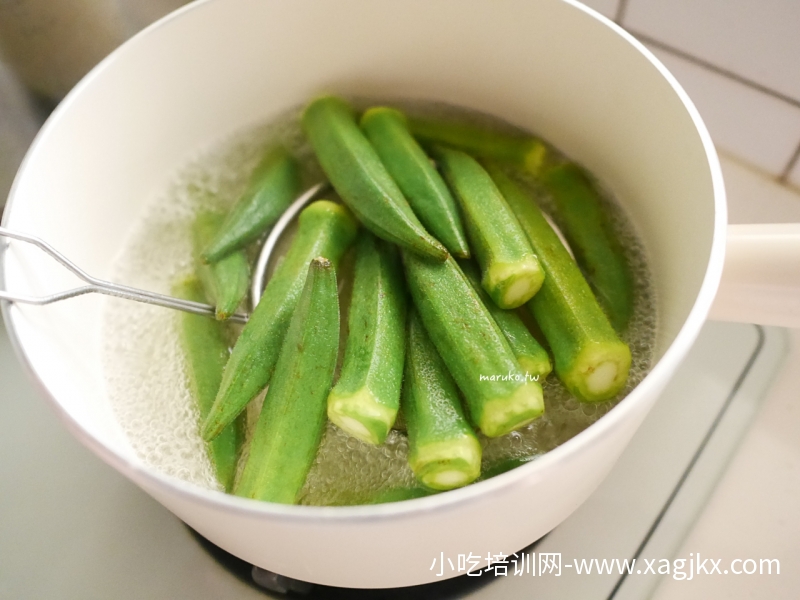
{"points": [[321, 263], [382, 112], [326, 100], [432, 249], [211, 427], [535, 158]]}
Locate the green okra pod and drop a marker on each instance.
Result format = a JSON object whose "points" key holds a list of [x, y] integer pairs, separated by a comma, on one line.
{"points": [[584, 223], [292, 420], [443, 450], [360, 178], [227, 281], [590, 358], [504, 466], [532, 357], [520, 149], [325, 229], [206, 352], [417, 178], [511, 272], [274, 184], [384, 495], [398, 494], [499, 396], [365, 400]]}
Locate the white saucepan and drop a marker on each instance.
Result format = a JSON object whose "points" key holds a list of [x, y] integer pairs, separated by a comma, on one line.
{"points": [[215, 67]]}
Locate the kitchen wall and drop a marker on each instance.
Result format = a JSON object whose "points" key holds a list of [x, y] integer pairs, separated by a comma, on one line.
{"points": [[739, 60]]}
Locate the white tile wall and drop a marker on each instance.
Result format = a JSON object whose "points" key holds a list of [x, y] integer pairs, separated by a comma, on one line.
{"points": [[758, 39], [754, 198], [794, 175], [738, 60], [757, 127], [604, 7]]}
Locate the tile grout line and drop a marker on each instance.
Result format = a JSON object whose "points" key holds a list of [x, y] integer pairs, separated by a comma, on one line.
{"points": [[622, 8], [756, 170], [761, 172], [787, 171], [708, 65]]}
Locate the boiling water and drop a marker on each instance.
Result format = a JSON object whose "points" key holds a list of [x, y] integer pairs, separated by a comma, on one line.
{"points": [[146, 370]]}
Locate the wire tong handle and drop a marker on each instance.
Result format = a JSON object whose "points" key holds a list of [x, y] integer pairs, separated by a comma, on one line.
{"points": [[100, 286]]}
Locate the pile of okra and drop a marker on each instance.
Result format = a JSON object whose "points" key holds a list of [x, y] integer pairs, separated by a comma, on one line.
{"points": [[449, 248]]}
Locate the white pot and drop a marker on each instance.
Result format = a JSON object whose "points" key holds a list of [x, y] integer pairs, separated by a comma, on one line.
{"points": [[215, 67]]}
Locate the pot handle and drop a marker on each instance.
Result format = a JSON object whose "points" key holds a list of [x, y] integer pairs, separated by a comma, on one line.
{"points": [[761, 276]]}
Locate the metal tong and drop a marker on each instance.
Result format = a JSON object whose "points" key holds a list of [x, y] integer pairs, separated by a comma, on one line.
{"points": [[95, 285]]}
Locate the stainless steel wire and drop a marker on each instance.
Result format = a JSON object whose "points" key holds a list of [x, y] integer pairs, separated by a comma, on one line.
{"points": [[99, 286], [260, 272]]}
